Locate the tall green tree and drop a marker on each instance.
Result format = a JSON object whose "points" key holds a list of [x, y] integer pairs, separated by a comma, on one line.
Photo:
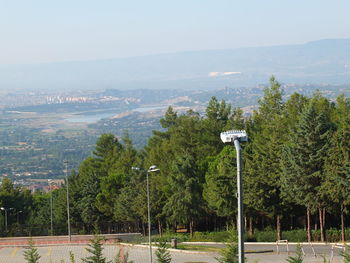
{"points": [[184, 193], [337, 164], [220, 187], [303, 161], [263, 160]]}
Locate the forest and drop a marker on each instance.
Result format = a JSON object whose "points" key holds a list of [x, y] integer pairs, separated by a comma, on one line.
{"points": [[296, 174]]}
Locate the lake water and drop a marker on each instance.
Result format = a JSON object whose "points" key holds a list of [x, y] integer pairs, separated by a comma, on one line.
{"points": [[92, 118], [145, 109]]}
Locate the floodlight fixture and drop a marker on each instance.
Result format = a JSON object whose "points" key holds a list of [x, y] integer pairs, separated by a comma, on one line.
{"points": [[151, 169], [68, 209], [235, 137], [6, 209], [230, 136]]}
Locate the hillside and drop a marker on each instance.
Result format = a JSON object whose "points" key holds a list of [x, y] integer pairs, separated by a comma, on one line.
{"points": [[324, 61]]}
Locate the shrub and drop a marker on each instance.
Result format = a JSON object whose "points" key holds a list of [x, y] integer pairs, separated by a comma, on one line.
{"points": [[346, 255], [229, 254], [95, 248], [71, 257], [299, 257], [298, 235], [265, 236], [121, 257], [162, 254], [31, 254]]}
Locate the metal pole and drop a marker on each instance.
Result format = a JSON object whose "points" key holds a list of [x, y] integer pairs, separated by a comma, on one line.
{"points": [[51, 209], [240, 227], [149, 220], [5, 219], [68, 216]]}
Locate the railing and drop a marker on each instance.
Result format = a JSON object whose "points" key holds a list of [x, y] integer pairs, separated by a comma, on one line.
{"points": [[336, 246], [312, 248], [282, 242]]}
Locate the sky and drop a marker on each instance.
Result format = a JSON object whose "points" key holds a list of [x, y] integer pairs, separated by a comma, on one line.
{"points": [[42, 31]]}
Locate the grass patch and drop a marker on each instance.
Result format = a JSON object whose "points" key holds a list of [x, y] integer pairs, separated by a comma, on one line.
{"points": [[198, 248]]}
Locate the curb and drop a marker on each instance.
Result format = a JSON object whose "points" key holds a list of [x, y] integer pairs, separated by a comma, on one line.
{"points": [[169, 249]]}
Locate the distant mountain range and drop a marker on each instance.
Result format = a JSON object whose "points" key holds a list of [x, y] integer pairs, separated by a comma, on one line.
{"points": [[323, 62]]}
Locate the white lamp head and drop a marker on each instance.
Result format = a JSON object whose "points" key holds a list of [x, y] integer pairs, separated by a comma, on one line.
{"points": [[230, 136]]}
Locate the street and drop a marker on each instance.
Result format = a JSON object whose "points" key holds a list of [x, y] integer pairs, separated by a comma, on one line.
{"points": [[138, 254]]}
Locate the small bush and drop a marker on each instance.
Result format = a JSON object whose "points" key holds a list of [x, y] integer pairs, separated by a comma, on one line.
{"points": [[31, 254], [95, 249], [346, 255], [121, 257], [265, 236], [229, 254], [210, 236], [162, 253], [299, 257], [298, 235]]}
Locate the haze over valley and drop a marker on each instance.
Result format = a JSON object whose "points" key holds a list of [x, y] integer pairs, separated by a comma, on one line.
{"points": [[318, 62]]}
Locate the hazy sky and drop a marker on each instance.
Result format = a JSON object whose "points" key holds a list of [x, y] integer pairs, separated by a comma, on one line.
{"points": [[36, 31]]}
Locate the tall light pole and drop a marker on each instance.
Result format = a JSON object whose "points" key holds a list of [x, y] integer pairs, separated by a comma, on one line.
{"points": [[235, 137], [153, 168], [68, 216], [5, 209], [20, 211], [50, 188]]}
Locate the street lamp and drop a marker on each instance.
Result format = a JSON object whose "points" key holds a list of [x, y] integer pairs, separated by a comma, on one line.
{"points": [[68, 217], [152, 169], [235, 137], [19, 212], [6, 209], [49, 181]]}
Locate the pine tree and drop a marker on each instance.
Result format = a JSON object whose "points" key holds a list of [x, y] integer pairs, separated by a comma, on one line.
{"points": [[346, 255], [184, 190], [71, 257], [221, 183], [31, 254], [337, 164], [122, 258], [299, 258], [303, 161], [162, 253], [95, 248], [263, 165], [229, 254], [183, 202]]}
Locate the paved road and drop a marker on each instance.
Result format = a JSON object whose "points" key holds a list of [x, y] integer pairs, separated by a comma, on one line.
{"points": [[140, 254], [318, 249], [58, 253]]}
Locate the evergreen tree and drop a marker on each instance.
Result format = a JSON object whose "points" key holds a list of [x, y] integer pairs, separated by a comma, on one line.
{"points": [[217, 116], [304, 161], [184, 191], [162, 253], [31, 254], [346, 255], [229, 254], [221, 183], [95, 248], [183, 202], [299, 257], [337, 164], [263, 166]]}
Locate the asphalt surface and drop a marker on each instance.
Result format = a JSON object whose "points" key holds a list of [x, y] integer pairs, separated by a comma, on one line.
{"points": [[140, 254]]}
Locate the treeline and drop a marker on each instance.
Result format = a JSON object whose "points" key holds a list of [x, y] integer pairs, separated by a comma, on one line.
{"points": [[296, 171]]}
